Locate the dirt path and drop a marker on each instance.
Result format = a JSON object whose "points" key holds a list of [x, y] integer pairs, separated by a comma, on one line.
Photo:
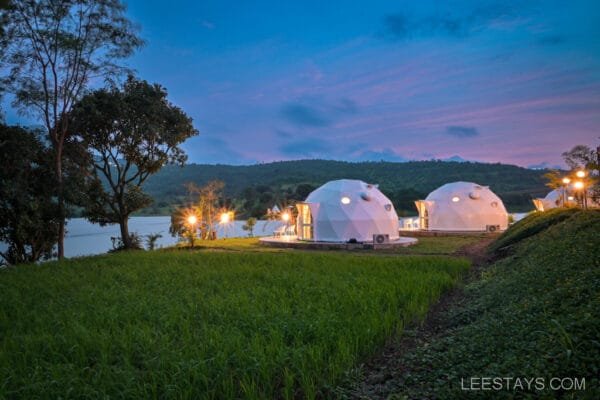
{"points": [[383, 374]]}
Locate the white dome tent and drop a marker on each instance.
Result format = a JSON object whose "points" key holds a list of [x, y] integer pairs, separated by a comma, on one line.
{"points": [[552, 200], [462, 207], [567, 197], [346, 210]]}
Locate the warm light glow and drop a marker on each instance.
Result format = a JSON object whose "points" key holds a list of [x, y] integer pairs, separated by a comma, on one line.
{"points": [[570, 198], [345, 200], [285, 216], [225, 218], [566, 181], [580, 174], [455, 199], [192, 220], [578, 185]]}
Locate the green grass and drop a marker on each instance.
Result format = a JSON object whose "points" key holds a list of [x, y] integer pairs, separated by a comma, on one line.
{"points": [[535, 313], [440, 244], [205, 324], [435, 245], [529, 226]]}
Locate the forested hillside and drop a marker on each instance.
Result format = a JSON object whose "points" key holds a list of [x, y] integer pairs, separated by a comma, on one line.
{"points": [[253, 188]]}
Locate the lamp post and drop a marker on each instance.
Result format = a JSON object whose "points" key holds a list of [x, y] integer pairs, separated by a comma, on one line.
{"points": [[566, 182], [581, 174], [225, 218], [192, 220], [285, 217], [579, 185]]}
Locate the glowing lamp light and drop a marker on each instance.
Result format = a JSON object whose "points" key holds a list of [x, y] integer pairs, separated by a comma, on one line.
{"points": [[566, 181], [225, 218], [578, 185], [580, 174], [570, 198], [285, 216], [192, 220], [345, 200], [455, 199]]}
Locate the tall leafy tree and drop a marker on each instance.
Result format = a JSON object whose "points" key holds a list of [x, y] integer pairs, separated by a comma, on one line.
{"points": [[131, 132], [28, 211], [52, 50]]}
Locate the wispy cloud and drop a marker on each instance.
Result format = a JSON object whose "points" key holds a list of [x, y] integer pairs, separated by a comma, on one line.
{"points": [[304, 115], [317, 113], [310, 147], [451, 23], [462, 131]]}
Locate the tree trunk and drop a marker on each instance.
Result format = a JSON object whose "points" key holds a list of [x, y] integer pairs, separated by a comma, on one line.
{"points": [[61, 203], [123, 223]]}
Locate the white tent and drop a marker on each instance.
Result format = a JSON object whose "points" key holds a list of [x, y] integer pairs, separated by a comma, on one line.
{"points": [[552, 200], [462, 206], [572, 198], [346, 209]]}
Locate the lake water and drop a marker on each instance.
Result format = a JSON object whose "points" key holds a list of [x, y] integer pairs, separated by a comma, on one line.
{"points": [[84, 238]]}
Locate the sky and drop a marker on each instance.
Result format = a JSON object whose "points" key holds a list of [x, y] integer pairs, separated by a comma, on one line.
{"points": [[493, 81]]}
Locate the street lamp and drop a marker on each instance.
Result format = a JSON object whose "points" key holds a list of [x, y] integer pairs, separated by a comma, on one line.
{"points": [[566, 182], [285, 217], [192, 220], [580, 174], [579, 185], [226, 217]]}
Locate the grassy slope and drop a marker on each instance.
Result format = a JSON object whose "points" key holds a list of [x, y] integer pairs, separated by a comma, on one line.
{"points": [[205, 324], [534, 313]]}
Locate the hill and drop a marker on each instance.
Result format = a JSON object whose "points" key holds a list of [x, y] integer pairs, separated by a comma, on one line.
{"points": [[253, 188], [533, 313]]}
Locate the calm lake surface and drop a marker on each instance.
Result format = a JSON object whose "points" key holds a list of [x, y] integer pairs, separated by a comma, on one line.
{"points": [[84, 238]]}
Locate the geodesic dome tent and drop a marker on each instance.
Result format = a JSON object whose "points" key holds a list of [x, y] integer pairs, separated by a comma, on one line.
{"points": [[462, 206], [572, 198], [552, 200], [346, 209]]}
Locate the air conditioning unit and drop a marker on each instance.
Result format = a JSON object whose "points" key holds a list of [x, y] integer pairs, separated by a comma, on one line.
{"points": [[492, 228], [380, 238]]}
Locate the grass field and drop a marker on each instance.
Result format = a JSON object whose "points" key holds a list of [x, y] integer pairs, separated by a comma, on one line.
{"points": [[206, 324], [534, 313], [435, 245]]}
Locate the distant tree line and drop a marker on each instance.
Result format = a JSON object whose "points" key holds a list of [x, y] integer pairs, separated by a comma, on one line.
{"points": [[255, 188]]}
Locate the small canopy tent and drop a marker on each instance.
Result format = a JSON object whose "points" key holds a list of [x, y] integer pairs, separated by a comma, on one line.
{"points": [[343, 210], [462, 206]]}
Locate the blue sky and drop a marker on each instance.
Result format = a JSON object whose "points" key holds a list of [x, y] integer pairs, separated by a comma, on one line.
{"points": [[368, 80]]}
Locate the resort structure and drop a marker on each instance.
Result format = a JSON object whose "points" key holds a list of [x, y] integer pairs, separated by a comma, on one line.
{"points": [[462, 207]]}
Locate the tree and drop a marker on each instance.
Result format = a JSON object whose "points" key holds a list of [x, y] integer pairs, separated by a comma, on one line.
{"points": [[206, 203], [209, 205], [249, 226], [51, 50], [554, 179], [28, 211], [151, 240], [131, 133], [180, 223], [582, 156]]}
